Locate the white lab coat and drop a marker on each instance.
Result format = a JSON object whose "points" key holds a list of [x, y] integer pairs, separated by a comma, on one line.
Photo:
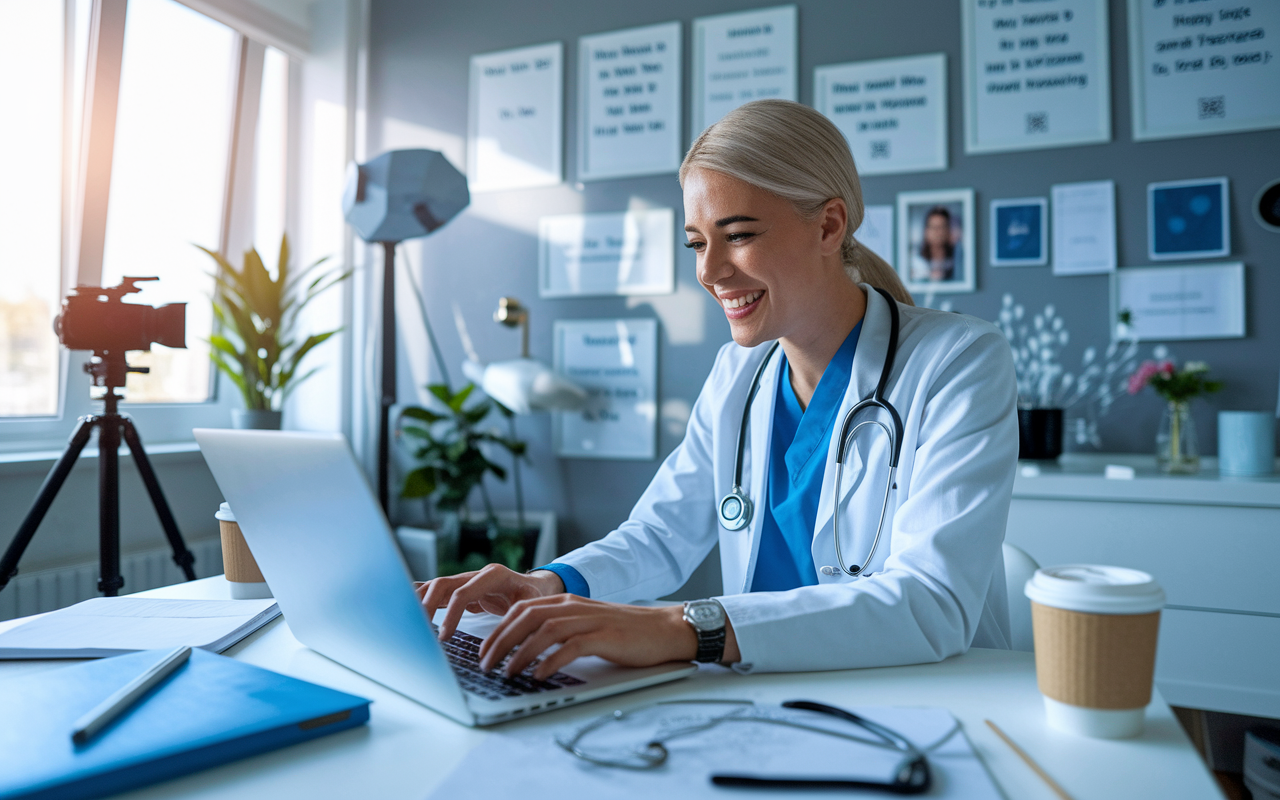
{"points": [[937, 585]]}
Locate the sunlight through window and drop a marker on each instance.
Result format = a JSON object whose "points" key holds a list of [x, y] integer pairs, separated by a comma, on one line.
{"points": [[168, 177]]}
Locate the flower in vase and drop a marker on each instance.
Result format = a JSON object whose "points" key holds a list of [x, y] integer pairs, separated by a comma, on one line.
{"points": [[1173, 384]]}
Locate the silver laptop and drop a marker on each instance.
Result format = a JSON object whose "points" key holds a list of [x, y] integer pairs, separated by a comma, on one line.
{"points": [[328, 554]]}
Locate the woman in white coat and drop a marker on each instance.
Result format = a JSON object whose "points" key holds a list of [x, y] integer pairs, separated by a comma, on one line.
{"points": [[771, 202]]}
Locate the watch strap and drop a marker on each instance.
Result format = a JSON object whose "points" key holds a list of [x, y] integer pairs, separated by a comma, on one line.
{"points": [[710, 642], [710, 645]]}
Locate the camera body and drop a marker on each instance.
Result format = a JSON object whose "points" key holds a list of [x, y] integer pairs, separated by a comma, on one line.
{"points": [[97, 318]]}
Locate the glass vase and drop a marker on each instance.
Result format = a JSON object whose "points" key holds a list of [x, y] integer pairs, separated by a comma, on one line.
{"points": [[1176, 451]]}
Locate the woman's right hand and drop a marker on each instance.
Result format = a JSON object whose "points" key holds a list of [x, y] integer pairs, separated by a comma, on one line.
{"points": [[493, 589]]}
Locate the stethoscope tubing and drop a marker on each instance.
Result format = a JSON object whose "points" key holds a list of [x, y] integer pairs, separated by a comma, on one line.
{"points": [[848, 431]]}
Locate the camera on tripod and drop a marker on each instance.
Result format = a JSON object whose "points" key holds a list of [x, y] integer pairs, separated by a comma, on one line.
{"points": [[97, 318]]}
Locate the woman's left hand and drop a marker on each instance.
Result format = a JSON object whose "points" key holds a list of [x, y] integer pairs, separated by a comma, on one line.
{"points": [[632, 636]]}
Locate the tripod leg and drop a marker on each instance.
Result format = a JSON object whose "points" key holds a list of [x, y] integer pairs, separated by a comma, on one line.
{"points": [[181, 555], [109, 583], [48, 491]]}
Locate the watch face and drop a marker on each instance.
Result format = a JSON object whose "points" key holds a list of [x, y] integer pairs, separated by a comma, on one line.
{"points": [[705, 616]]}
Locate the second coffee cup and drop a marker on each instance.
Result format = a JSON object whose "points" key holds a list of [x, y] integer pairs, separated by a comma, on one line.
{"points": [[1095, 633], [241, 569]]}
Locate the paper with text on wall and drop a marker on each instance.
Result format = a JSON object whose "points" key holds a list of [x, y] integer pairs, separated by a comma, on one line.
{"points": [[1084, 228], [629, 102], [742, 57], [1036, 74], [514, 136], [1207, 67], [630, 252], [616, 362], [893, 111], [1193, 302]]}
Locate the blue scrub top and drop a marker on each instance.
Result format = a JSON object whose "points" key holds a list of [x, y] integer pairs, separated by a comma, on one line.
{"points": [[797, 461]]}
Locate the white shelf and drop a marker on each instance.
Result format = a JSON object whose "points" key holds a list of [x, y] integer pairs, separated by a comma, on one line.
{"points": [[1080, 477]]}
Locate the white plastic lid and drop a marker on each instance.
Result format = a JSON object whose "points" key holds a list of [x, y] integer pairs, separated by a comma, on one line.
{"points": [[224, 513], [1096, 589]]}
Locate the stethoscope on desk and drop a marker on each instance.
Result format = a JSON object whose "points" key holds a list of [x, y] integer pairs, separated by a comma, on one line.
{"points": [[735, 509]]}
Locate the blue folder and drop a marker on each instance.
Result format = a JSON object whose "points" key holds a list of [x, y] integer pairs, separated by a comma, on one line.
{"points": [[210, 711]]}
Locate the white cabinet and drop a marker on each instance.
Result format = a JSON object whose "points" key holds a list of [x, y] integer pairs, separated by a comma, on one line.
{"points": [[1212, 543]]}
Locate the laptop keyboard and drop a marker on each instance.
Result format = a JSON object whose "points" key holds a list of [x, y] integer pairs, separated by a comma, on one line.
{"points": [[463, 651]]}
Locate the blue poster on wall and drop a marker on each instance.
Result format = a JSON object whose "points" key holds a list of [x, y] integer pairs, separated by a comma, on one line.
{"points": [[1188, 219], [1018, 232]]}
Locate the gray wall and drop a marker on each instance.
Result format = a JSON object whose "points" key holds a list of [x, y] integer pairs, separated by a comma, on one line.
{"points": [[418, 69], [69, 532]]}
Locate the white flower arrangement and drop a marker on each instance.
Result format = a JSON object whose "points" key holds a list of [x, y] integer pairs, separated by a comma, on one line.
{"points": [[1043, 382]]}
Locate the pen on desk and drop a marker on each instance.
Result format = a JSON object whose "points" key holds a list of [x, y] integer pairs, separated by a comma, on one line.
{"points": [[88, 726], [1044, 776]]}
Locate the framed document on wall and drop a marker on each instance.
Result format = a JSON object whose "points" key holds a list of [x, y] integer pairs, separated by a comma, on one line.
{"points": [[1194, 302], [616, 361], [739, 57], [514, 129], [629, 102], [892, 111], [1211, 67], [1035, 74], [626, 252]]}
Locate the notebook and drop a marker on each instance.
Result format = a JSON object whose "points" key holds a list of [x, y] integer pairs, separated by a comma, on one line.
{"points": [[210, 711], [111, 626]]}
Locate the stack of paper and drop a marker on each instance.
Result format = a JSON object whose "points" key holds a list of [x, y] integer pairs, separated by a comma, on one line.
{"points": [[110, 626]]}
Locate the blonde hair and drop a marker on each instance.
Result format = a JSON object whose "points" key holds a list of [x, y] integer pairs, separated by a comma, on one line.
{"points": [[795, 152]]}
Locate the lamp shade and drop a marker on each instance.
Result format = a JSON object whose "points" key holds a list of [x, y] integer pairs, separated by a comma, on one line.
{"points": [[526, 384], [402, 195]]}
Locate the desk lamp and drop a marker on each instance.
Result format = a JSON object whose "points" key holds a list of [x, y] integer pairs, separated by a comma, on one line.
{"points": [[524, 384], [403, 194]]}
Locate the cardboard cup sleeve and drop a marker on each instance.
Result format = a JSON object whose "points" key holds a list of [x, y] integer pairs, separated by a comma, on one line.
{"points": [[1095, 660], [237, 561]]}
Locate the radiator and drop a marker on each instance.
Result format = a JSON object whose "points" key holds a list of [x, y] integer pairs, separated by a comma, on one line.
{"points": [[50, 589]]}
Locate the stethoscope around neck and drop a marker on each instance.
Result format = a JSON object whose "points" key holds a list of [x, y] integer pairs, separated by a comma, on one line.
{"points": [[736, 509]]}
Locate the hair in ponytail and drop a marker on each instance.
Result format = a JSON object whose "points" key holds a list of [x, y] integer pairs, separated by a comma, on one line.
{"points": [[796, 153]]}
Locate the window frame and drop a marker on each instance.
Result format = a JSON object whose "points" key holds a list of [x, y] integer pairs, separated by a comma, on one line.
{"points": [[85, 194]]}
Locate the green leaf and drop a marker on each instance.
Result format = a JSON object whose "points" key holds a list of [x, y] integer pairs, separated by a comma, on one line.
{"points": [[282, 263], [223, 344], [457, 401], [442, 393], [416, 430], [418, 412], [419, 483], [477, 413]]}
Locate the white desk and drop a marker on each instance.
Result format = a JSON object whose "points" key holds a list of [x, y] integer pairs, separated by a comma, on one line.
{"points": [[406, 750]]}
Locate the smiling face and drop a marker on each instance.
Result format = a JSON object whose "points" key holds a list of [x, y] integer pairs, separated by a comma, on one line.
{"points": [[772, 272]]}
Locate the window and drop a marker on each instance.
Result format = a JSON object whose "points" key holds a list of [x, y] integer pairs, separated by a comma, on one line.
{"points": [[189, 164], [31, 90], [271, 156], [168, 179]]}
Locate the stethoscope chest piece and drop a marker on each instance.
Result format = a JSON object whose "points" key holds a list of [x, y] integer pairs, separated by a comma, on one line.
{"points": [[735, 510]]}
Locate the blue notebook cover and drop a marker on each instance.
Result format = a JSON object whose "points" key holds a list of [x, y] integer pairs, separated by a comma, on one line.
{"points": [[210, 711]]}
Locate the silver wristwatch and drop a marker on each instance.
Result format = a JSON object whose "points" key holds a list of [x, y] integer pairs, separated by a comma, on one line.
{"points": [[708, 620]]}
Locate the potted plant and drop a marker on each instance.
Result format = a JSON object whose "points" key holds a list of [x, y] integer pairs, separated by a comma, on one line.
{"points": [[257, 346], [452, 465], [1176, 447]]}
